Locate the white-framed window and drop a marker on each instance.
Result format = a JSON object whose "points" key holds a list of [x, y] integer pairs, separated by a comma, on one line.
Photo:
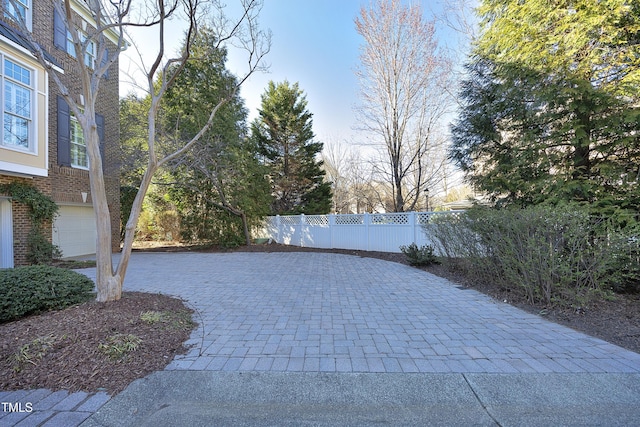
{"points": [[77, 145], [71, 49], [90, 52], [18, 10], [17, 105]]}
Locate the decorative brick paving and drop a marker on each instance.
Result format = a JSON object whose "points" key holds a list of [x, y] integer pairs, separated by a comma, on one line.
{"points": [[42, 407], [315, 312]]}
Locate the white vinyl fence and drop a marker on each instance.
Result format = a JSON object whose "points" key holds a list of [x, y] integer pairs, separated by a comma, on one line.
{"points": [[384, 232]]}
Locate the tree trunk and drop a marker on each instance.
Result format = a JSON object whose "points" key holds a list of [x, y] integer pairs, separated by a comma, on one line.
{"points": [[109, 283], [109, 286], [245, 227], [399, 198]]}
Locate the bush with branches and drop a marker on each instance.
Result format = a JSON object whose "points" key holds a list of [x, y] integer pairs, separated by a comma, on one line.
{"points": [[548, 254]]}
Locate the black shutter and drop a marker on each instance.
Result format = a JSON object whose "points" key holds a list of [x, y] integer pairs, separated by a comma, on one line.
{"points": [[59, 31], [100, 126], [64, 133]]}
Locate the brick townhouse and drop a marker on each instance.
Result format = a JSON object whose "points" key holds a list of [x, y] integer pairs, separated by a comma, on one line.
{"points": [[41, 144]]}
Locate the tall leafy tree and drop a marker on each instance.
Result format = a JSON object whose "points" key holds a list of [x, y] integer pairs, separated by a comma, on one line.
{"points": [[552, 106], [133, 145], [284, 137], [219, 186]]}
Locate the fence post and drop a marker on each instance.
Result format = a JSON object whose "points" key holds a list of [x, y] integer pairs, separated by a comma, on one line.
{"points": [[278, 230], [332, 223], [302, 230], [412, 220], [367, 222]]}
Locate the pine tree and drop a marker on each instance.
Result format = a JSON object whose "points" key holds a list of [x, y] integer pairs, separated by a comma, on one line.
{"points": [[284, 137], [219, 186]]}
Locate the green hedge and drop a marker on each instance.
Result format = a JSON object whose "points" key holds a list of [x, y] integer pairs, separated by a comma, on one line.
{"points": [[34, 289]]}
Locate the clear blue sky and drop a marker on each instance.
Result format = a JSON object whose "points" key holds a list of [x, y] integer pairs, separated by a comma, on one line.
{"points": [[314, 43]]}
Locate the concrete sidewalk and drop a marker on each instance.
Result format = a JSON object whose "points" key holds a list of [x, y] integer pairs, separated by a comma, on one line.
{"points": [[193, 398], [329, 339]]}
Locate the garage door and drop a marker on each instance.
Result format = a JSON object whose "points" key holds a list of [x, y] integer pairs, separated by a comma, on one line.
{"points": [[74, 231]]}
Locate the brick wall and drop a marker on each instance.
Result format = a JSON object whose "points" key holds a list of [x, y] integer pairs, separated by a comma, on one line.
{"points": [[21, 222], [68, 183]]}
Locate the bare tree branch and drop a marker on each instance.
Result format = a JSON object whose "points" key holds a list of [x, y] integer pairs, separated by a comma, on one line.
{"points": [[110, 19], [403, 99]]}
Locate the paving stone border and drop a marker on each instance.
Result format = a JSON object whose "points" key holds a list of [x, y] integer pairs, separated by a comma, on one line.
{"points": [[46, 408]]}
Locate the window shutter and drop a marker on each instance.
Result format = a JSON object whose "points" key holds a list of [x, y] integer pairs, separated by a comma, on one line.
{"points": [[105, 58], [100, 126], [64, 133], [59, 31]]}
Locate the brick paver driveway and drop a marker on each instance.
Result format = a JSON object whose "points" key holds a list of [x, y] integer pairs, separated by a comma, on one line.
{"points": [[317, 312]]}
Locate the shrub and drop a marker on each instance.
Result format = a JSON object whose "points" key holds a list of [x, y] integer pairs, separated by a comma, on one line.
{"points": [[34, 289], [623, 273], [548, 254], [40, 250], [453, 241], [419, 256]]}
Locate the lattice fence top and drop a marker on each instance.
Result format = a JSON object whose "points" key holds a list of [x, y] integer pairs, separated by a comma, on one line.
{"points": [[349, 219], [290, 220], [316, 219], [390, 218], [423, 218], [271, 221]]}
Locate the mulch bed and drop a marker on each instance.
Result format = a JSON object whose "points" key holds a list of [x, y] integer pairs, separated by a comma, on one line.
{"points": [[62, 350]]}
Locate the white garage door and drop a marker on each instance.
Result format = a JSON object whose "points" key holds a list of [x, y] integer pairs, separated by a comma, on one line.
{"points": [[74, 231]]}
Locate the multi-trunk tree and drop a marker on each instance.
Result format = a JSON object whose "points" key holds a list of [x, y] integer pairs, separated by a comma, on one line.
{"points": [[552, 106], [284, 137], [115, 17]]}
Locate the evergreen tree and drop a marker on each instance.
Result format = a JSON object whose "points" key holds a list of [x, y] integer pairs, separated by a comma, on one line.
{"points": [[284, 137], [219, 186], [551, 106]]}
